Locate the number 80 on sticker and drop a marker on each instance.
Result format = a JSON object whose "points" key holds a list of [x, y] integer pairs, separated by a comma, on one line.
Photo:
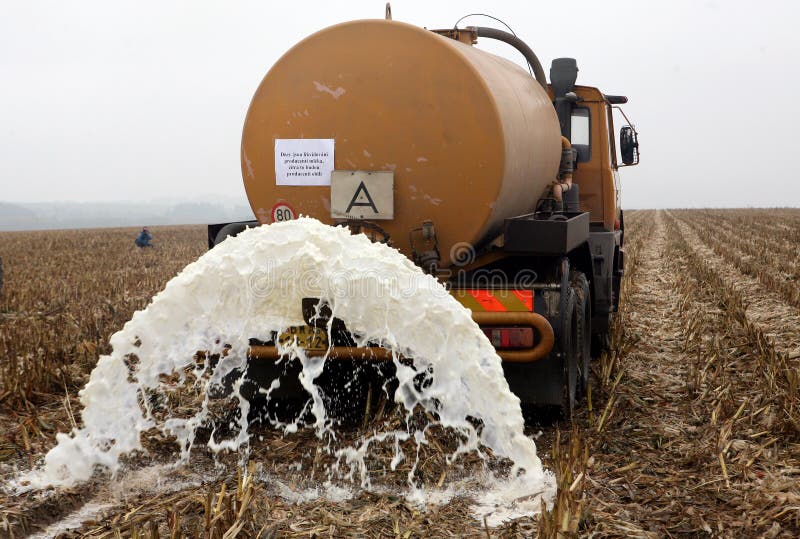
{"points": [[282, 212]]}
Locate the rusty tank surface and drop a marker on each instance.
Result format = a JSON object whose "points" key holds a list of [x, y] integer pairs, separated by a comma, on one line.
{"points": [[470, 138]]}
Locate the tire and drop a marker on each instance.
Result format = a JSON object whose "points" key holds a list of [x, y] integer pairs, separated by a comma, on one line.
{"points": [[568, 340], [583, 304], [228, 230]]}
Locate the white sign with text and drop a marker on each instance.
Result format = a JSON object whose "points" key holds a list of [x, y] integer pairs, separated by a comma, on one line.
{"points": [[303, 161]]}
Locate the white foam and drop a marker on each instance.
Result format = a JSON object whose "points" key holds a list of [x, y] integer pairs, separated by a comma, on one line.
{"points": [[252, 285], [327, 491]]}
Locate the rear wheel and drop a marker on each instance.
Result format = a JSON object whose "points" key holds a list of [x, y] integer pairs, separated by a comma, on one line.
{"points": [[231, 229], [569, 354], [583, 305]]}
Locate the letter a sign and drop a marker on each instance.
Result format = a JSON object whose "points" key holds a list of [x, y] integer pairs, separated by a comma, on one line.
{"points": [[361, 198], [358, 194]]}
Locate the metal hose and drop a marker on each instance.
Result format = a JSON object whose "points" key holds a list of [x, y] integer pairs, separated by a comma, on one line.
{"points": [[517, 43]]}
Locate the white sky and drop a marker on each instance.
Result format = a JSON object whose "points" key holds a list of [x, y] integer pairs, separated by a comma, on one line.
{"points": [[105, 100]]}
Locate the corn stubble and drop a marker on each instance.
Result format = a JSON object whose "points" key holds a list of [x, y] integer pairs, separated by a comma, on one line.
{"points": [[703, 433], [691, 427]]}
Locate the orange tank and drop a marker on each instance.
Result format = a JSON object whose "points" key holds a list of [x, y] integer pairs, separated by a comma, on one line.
{"points": [[471, 138]]}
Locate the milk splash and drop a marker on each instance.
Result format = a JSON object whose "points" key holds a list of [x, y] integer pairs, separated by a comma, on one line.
{"points": [[251, 286]]}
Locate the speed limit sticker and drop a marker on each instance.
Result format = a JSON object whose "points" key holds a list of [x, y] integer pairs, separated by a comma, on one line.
{"points": [[282, 212]]}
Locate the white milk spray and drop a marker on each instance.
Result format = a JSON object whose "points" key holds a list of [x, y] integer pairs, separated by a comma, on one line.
{"points": [[252, 285]]}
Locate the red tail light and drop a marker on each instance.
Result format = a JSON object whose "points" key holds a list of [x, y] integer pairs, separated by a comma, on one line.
{"points": [[510, 337]]}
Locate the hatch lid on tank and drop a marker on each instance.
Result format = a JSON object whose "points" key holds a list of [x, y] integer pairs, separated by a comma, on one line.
{"points": [[362, 194]]}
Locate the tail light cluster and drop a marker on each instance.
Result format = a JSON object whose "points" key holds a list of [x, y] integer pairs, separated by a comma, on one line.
{"points": [[510, 337]]}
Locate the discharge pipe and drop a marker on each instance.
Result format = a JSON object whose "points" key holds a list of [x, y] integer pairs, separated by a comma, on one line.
{"points": [[517, 43], [566, 169]]}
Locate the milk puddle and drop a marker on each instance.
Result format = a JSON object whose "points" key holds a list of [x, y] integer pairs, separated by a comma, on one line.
{"points": [[252, 286]]}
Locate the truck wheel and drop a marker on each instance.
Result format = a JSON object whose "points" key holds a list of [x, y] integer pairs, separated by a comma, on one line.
{"points": [[568, 347], [583, 304], [228, 230]]}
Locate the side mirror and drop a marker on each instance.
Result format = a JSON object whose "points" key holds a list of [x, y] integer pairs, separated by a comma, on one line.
{"points": [[629, 145]]}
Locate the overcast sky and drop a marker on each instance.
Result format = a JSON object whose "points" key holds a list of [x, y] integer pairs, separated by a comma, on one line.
{"points": [[105, 100]]}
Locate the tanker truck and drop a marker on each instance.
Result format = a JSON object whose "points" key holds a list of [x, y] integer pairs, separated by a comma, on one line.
{"points": [[502, 185]]}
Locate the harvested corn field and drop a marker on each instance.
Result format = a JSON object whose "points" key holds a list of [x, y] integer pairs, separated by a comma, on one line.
{"points": [[691, 426], [704, 439]]}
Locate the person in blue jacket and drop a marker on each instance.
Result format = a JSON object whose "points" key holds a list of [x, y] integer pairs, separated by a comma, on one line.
{"points": [[144, 237]]}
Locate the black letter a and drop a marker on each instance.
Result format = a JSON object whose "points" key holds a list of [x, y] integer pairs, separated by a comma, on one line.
{"points": [[355, 202]]}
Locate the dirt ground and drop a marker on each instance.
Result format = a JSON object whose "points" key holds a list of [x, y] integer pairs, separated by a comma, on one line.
{"points": [[704, 441], [691, 428]]}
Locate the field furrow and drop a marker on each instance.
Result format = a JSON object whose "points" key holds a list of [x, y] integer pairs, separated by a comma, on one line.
{"points": [[777, 276], [755, 385], [761, 248], [631, 496], [699, 443], [767, 307], [779, 232]]}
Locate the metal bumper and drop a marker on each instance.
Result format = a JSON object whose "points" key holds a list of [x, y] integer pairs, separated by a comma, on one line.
{"points": [[536, 321]]}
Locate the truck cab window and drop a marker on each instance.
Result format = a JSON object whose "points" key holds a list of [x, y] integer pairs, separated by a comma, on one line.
{"points": [[580, 130]]}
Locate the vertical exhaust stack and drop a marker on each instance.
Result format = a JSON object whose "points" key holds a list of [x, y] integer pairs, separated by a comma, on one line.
{"points": [[563, 74]]}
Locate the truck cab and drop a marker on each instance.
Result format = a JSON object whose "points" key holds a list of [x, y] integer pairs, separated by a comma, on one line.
{"points": [[586, 117], [577, 254]]}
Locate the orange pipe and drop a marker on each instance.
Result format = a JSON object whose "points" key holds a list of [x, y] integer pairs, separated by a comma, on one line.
{"points": [[521, 318], [564, 182], [335, 352], [534, 320]]}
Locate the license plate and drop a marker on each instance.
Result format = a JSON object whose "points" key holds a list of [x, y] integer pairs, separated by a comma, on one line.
{"points": [[307, 337]]}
